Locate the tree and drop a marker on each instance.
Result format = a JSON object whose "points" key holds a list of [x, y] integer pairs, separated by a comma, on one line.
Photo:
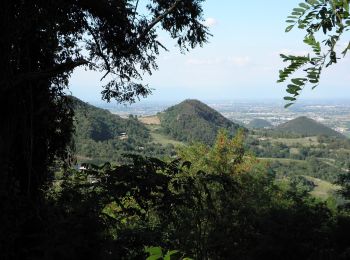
{"points": [[332, 19], [41, 44]]}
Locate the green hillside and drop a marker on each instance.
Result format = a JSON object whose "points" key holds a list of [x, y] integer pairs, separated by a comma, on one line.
{"points": [[101, 125], [259, 123], [192, 120], [101, 136], [307, 127]]}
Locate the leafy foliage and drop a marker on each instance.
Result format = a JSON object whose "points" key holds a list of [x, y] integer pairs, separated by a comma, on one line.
{"points": [[331, 17], [222, 214], [42, 43]]}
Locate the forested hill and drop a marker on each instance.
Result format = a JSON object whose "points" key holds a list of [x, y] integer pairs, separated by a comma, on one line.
{"points": [[192, 120], [101, 136], [307, 127], [101, 125]]}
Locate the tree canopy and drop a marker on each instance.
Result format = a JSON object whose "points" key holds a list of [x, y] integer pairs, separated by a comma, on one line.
{"points": [[42, 43], [327, 18]]}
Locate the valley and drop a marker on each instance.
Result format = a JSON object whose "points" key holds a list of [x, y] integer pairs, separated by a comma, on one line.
{"points": [[298, 146]]}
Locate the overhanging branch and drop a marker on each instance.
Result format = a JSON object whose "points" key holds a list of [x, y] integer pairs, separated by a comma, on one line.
{"points": [[152, 24], [46, 74]]}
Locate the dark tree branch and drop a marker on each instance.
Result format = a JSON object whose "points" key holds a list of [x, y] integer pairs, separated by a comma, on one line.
{"points": [[31, 76], [152, 24], [100, 51]]}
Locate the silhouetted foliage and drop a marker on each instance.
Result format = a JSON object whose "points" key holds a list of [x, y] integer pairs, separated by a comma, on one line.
{"points": [[42, 42]]}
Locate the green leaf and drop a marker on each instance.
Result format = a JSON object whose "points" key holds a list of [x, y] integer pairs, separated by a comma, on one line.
{"points": [[289, 28], [155, 253], [290, 98], [298, 81], [169, 254], [304, 5], [288, 105], [299, 10]]}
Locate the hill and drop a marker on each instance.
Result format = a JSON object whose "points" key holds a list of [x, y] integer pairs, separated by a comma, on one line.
{"points": [[101, 136], [259, 123], [192, 120], [307, 127], [101, 125]]}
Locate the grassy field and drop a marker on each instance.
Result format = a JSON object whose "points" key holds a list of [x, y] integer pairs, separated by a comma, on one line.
{"points": [[323, 189], [161, 138], [149, 120], [282, 160], [304, 141]]}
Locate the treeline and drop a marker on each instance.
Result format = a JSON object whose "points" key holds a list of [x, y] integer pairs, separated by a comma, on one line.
{"points": [[322, 157], [216, 202]]}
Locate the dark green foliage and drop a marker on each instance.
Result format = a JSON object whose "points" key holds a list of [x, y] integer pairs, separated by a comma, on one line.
{"points": [[41, 44], [308, 127], [101, 136], [101, 125], [192, 120], [203, 215]]}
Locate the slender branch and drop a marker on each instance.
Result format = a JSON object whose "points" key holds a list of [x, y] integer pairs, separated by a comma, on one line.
{"points": [[99, 51], [152, 24], [135, 10]]}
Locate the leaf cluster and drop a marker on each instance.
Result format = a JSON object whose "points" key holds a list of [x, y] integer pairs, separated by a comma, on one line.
{"points": [[331, 18]]}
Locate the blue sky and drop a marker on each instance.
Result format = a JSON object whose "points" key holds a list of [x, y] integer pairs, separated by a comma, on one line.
{"points": [[241, 60]]}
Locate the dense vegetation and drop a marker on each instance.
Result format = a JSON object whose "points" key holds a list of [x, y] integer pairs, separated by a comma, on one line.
{"points": [[307, 127], [192, 120], [101, 136], [42, 43], [212, 208], [214, 201]]}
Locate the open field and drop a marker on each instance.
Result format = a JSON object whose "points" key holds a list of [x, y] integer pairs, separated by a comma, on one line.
{"points": [[282, 160], [149, 120], [304, 141], [323, 189], [161, 138]]}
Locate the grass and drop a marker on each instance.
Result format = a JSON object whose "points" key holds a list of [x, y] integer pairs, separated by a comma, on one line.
{"points": [[162, 138], [323, 189], [304, 141], [149, 120], [282, 160]]}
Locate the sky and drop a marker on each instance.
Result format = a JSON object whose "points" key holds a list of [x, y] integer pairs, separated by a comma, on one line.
{"points": [[240, 61]]}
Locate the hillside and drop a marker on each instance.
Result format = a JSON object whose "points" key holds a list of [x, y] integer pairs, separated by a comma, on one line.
{"points": [[101, 125], [307, 127], [258, 123], [101, 136], [192, 120]]}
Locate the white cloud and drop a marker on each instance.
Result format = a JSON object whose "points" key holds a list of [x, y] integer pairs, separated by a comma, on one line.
{"points": [[240, 61], [210, 61], [209, 22]]}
